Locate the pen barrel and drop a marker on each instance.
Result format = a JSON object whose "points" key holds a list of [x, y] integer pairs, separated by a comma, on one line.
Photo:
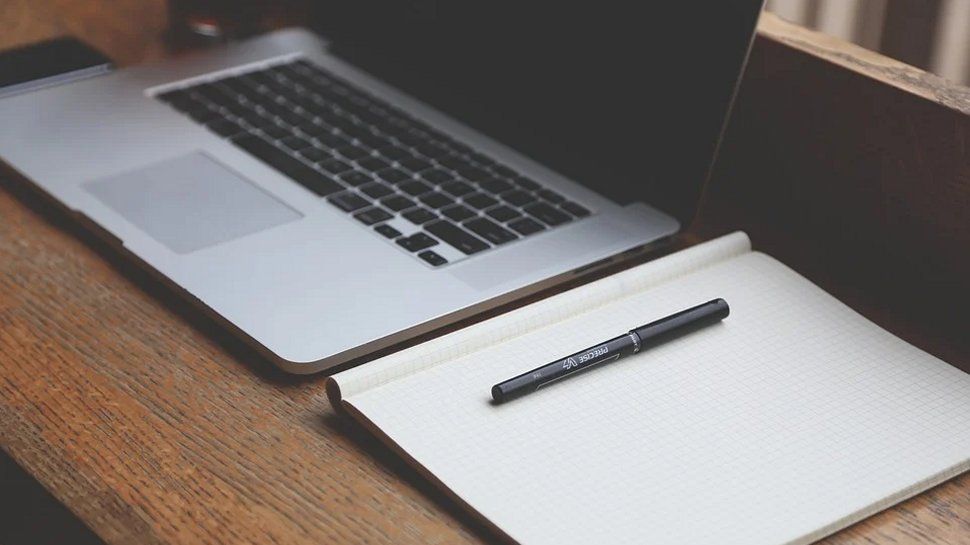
{"points": [[681, 323], [525, 383], [631, 342]]}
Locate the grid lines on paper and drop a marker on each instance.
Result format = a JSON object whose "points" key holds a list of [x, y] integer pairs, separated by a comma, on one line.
{"points": [[792, 414]]}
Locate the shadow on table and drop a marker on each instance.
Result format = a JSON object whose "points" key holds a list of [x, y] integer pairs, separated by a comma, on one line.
{"points": [[30, 515], [388, 461]]}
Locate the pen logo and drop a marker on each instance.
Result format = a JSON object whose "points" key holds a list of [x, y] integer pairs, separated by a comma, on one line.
{"points": [[594, 353], [569, 364]]}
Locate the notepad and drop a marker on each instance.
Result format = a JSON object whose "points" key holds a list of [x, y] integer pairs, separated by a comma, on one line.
{"points": [[789, 420]]}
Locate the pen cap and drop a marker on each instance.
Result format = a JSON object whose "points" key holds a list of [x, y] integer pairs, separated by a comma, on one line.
{"points": [[683, 322]]}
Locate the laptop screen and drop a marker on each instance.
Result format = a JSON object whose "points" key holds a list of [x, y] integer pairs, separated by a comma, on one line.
{"points": [[626, 98]]}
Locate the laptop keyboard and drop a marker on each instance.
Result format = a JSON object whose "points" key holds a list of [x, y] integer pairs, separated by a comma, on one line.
{"points": [[433, 196]]}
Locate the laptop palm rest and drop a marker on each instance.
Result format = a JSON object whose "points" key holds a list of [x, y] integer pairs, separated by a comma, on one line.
{"points": [[191, 202]]}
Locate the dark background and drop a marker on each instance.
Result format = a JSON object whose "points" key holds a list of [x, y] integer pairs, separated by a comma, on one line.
{"points": [[32, 515], [612, 94]]}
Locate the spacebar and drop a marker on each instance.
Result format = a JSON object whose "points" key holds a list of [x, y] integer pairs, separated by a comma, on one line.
{"points": [[311, 179], [457, 237]]}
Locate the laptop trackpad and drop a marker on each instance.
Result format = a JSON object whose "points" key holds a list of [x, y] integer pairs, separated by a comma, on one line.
{"points": [[191, 202]]}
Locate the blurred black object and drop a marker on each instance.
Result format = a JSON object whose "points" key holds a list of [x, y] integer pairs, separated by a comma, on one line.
{"points": [[49, 63], [627, 98], [31, 516]]}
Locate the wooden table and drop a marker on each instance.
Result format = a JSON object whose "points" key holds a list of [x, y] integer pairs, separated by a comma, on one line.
{"points": [[153, 426]]}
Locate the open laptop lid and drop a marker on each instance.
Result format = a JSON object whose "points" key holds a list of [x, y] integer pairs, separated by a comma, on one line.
{"points": [[627, 98]]}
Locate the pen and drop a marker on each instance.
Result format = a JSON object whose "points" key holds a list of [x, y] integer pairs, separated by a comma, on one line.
{"points": [[631, 342]]}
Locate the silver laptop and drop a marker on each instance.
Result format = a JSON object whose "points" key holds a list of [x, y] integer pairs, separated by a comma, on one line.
{"points": [[326, 200]]}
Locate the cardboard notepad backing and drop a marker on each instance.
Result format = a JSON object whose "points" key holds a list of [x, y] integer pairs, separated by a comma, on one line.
{"points": [[791, 419]]}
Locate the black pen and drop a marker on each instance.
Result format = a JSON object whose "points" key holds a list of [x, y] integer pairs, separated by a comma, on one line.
{"points": [[631, 342]]}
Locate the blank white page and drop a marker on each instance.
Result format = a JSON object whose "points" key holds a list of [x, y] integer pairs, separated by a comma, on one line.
{"points": [[789, 420]]}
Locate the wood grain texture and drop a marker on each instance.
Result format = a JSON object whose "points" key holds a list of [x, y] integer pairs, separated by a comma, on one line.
{"points": [[154, 426], [129, 31]]}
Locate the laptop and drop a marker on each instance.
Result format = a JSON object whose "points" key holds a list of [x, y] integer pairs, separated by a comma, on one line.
{"points": [[327, 194]]}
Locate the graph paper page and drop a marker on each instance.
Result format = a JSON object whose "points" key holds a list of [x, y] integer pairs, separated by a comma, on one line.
{"points": [[789, 420], [544, 313]]}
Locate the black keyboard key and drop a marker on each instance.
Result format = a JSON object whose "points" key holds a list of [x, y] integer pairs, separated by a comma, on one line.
{"points": [[252, 119], [474, 174], [436, 199], [235, 84], [436, 176], [334, 166], [173, 96], [456, 162], [187, 103], [296, 143], [525, 183], [394, 175], [432, 258], [456, 236], [387, 231], [432, 150], [274, 131], [458, 148], [373, 164], [418, 216], [348, 201], [273, 108], [370, 216], [261, 77], [375, 190], [414, 164], [328, 140], [238, 84], [206, 115], [290, 118], [288, 71], [574, 209], [352, 130], [304, 67], [355, 178], [239, 109], [417, 242], [209, 91], [313, 180], [372, 140], [518, 198], [224, 127], [495, 185], [490, 231], [479, 201], [526, 226], [547, 214], [414, 188], [481, 158], [412, 138], [394, 153], [551, 196], [398, 203], [314, 129], [503, 213], [504, 171], [315, 155], [353, 152], [458, 212], [457, 189]]}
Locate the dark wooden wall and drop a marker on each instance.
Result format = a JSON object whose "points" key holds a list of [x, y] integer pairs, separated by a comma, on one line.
{"points": [[857, 174]]}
